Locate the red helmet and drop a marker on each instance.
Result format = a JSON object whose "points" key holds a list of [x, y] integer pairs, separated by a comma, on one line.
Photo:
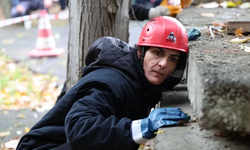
{"points": [[164, 32]]}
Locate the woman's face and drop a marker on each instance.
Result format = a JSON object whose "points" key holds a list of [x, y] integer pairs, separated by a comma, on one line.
{"points": [[159, 63]]}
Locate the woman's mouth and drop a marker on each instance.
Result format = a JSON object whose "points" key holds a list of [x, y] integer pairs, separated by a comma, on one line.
{"points": [[158, 73]]}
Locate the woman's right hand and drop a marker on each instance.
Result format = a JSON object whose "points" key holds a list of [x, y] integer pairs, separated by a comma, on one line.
{"points": [[144, 129]]}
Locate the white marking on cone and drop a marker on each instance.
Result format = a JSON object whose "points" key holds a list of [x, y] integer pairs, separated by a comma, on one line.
{"points": [[44, 24], [45, 43]]}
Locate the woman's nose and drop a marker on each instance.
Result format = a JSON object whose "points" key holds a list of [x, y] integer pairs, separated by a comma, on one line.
{"points": [[163, 62]]}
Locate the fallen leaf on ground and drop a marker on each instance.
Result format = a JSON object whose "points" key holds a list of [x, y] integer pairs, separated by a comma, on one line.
{"points": [[5, 112], [21, 116], [12, 144], [194, 120], [245, 5], [149, 145], [20, 35], [218, 134], [223, 4], [217, 24], [245, 48], [21, 88], [239, 32], [161, 131], [231, 4], [208, 5], [7, 41], [237, 40], [221, 25], [221, 133], [3, 134], [26, 129], [207, 15]]}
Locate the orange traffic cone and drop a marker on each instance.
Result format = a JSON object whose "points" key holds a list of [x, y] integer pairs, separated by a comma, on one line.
{"points": [[45, 42]]}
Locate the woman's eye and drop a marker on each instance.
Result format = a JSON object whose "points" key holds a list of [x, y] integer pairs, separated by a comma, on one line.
{"points": [[158, 53], [174, 60]]}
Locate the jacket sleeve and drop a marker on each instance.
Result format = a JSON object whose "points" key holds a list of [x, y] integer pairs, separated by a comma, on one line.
{"points": [[92, 123], [15, 2], [138, 12]]}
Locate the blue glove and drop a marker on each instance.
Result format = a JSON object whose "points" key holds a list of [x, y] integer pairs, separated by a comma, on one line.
{"points": [[143, 130], [193, 34]]}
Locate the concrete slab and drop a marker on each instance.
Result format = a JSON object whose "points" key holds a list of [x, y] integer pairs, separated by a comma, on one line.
{"points": [[218, 73], [192, 136], [218, 84]]}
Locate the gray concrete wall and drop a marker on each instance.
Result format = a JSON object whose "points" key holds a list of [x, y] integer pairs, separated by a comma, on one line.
{"points": [[192, 136], [219, 92]]}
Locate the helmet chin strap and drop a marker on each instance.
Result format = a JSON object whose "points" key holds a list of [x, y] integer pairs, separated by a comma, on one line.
{"points": [[142, 55]]}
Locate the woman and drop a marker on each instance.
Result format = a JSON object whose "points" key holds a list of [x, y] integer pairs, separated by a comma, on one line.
{"points": [[109, 108]]}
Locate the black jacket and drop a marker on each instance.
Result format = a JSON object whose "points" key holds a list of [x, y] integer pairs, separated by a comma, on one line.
{"points": [[138, 12], [97, 112]]}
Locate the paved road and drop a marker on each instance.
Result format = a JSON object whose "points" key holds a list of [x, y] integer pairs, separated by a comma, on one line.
{"points": [[20, 42]]}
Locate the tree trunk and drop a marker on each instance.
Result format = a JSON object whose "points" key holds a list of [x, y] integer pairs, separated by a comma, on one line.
{"points": [[90, 20], [6, 7]]}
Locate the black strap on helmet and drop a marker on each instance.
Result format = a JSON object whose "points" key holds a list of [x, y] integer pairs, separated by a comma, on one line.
{"points": [[142, 55]]}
